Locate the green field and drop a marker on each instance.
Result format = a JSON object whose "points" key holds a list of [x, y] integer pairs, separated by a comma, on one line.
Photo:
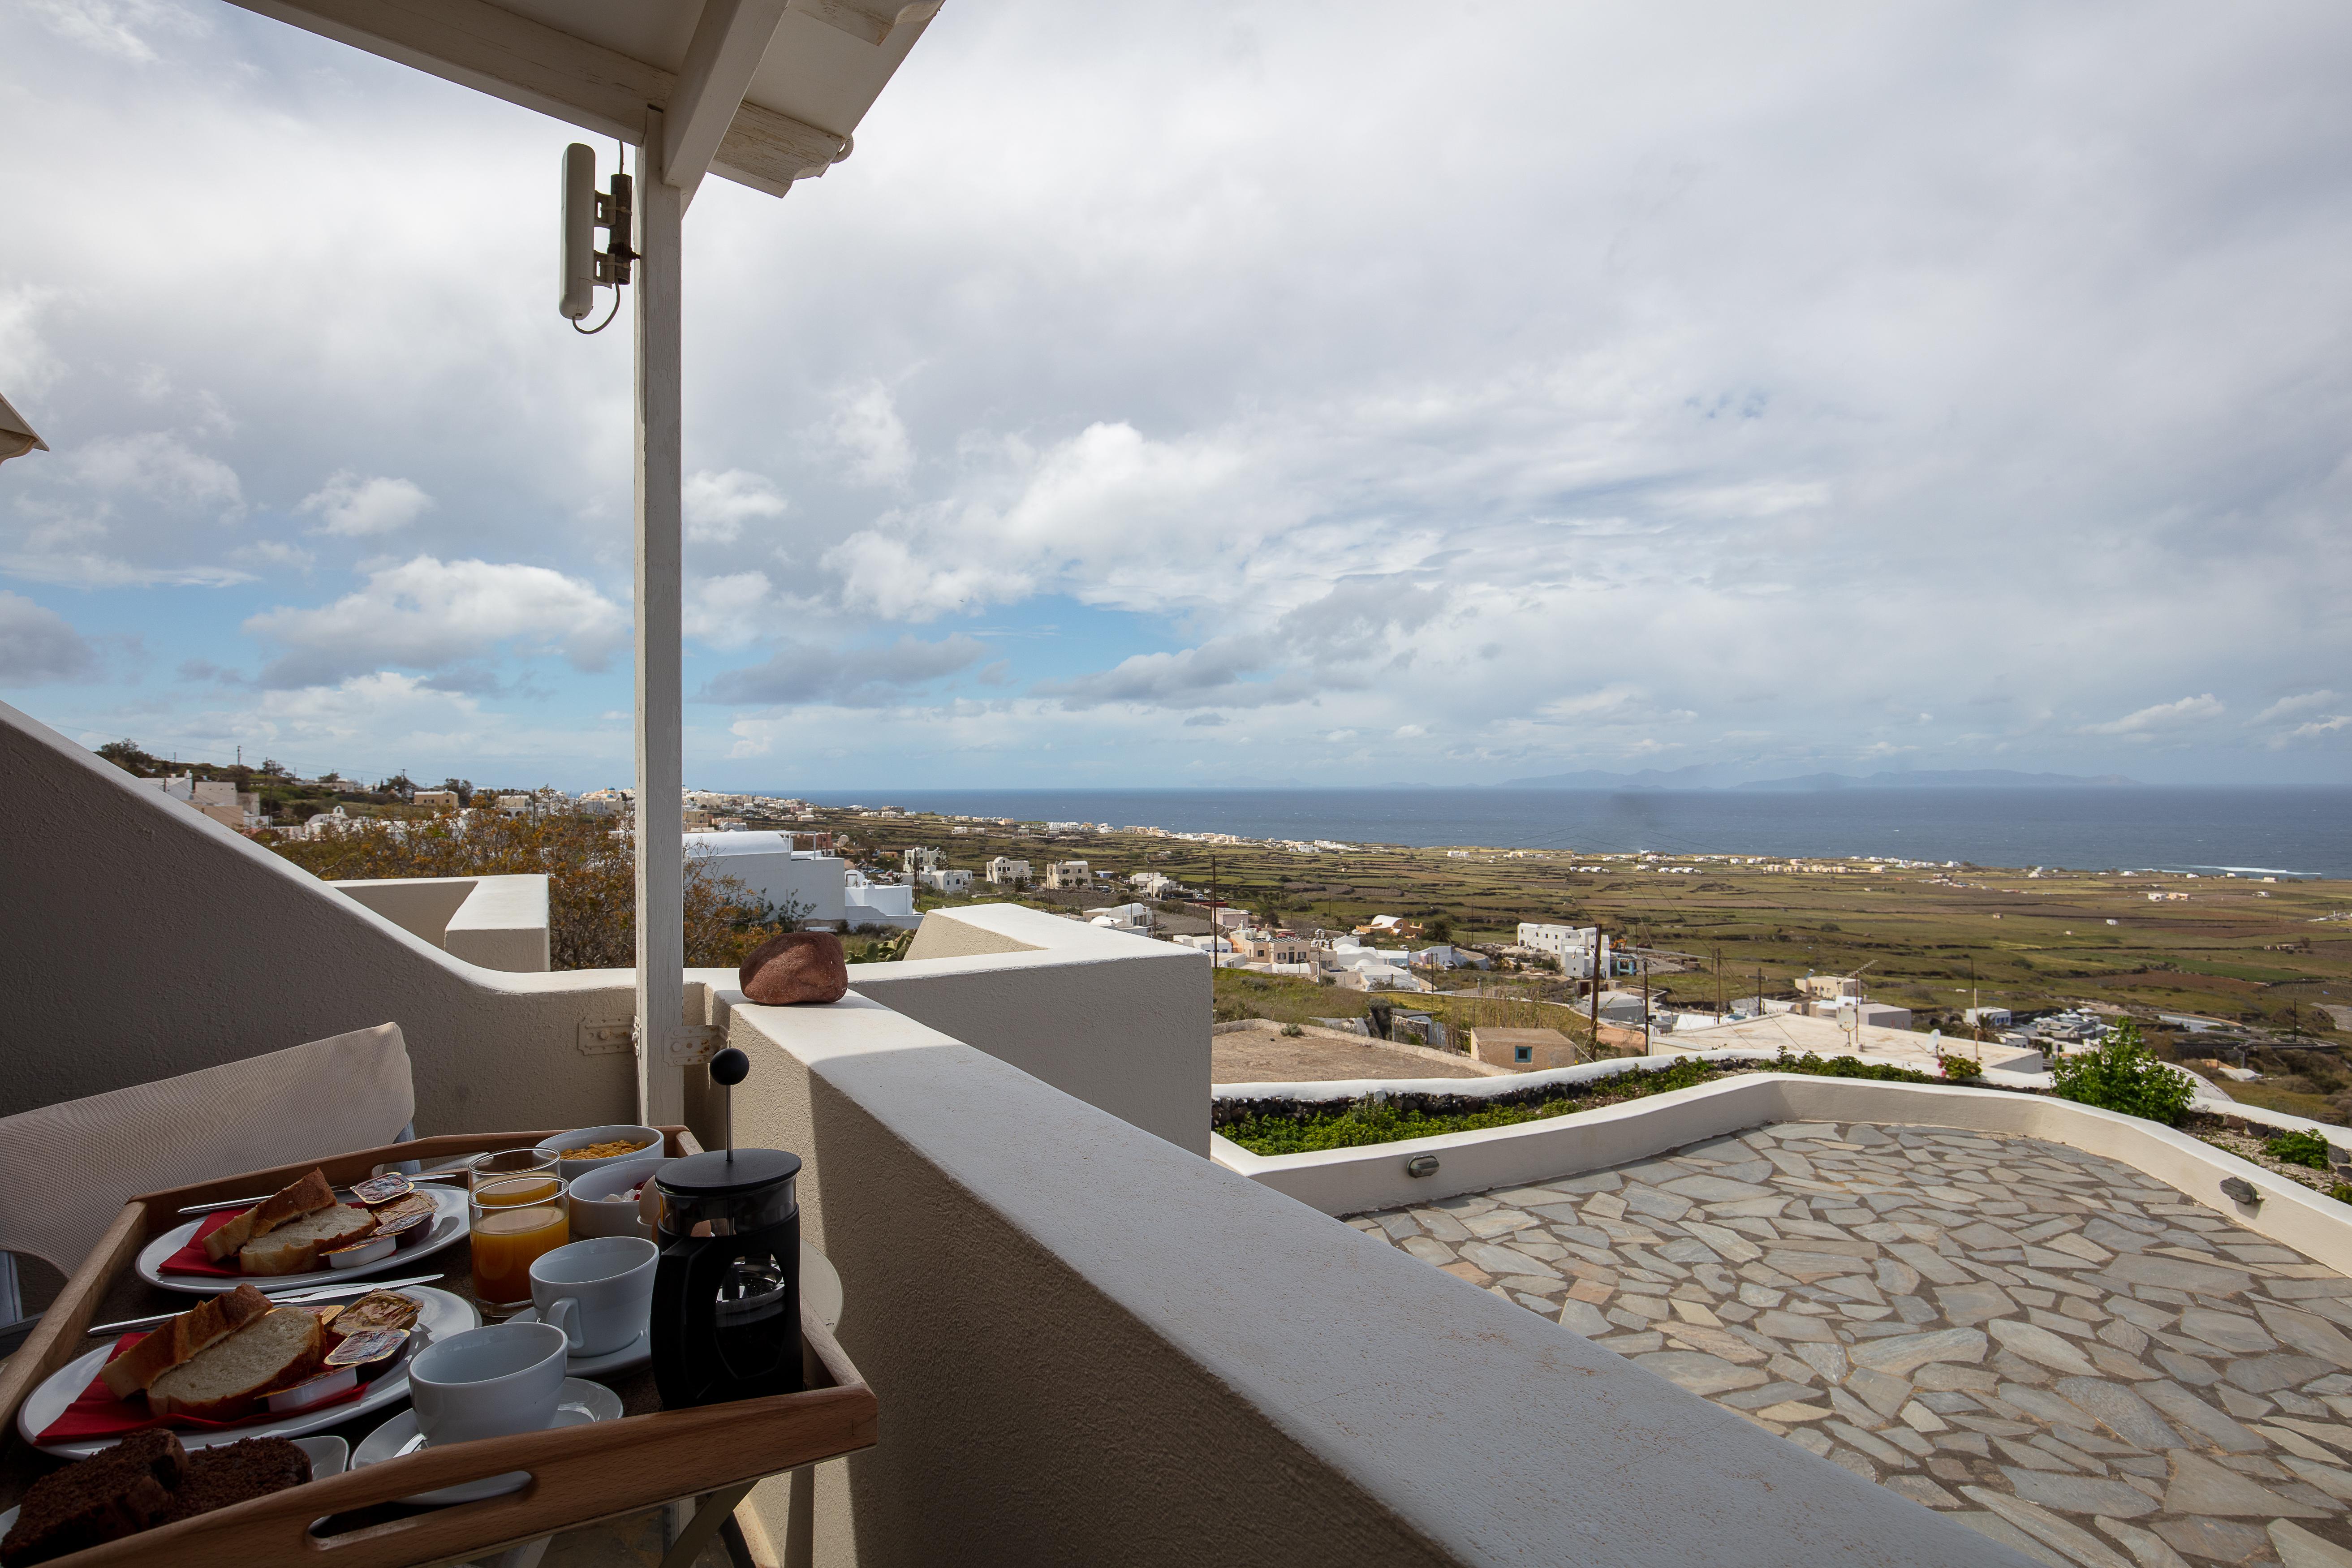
{"points": [[2259, 956]]}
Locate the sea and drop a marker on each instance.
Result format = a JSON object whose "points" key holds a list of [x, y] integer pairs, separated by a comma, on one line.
{"points": [[2282, 832]]}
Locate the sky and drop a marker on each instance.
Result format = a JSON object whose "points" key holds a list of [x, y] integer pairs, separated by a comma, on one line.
{"points": [[1333, 393]]}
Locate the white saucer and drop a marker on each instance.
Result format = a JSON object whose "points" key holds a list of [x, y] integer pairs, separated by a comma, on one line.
{"points": [[637, 1353], [597, 1403]]}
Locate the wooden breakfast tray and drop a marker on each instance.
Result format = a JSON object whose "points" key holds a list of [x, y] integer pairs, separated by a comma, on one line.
{"points": [[580, 1475]]}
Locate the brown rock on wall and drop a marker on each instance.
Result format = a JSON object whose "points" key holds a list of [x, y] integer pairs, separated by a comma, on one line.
{"points": [[798, 966]]}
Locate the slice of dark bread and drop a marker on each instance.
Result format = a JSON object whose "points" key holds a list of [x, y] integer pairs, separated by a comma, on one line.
{"points": [[113, 1493], [234, 1472]]}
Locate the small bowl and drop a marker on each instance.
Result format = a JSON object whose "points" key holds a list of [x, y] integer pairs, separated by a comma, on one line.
{"points": [[600, 1205], [585, 1136]]}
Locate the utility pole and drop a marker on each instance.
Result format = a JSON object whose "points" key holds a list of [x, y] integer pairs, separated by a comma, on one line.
{"points": [[1645, 1004], [1596, 987], [1720, 1006]]}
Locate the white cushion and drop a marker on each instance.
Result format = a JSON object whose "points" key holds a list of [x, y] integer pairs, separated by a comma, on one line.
{"points": [[67, 1169]]}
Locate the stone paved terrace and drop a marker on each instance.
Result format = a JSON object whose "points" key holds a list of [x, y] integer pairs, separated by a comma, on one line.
{"points": [[2067, 1354]]}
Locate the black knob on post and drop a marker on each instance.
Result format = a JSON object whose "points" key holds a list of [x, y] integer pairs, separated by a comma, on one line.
{"points": [[728, 1069]]}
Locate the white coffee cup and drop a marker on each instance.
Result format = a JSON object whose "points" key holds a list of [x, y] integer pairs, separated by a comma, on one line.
{"points": [[599, 1292], [487, 1382]]}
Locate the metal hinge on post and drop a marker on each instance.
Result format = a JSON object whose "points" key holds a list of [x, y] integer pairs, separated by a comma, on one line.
{"points": [[696, 1043], [691, 1042], [612, 1037]]}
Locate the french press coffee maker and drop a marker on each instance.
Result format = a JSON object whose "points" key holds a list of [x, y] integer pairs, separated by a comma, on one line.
{"points": [[727, 1289]]}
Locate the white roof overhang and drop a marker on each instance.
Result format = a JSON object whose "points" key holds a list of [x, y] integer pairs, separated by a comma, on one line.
{"points": [[763, 93]]}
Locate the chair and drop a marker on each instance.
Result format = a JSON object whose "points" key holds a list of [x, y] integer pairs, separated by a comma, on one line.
{"points": [[67, 1169]]}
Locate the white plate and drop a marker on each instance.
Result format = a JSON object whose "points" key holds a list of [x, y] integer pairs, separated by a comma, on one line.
{"points": [[390, 1440], [443, 1314], [329, 1456], [448, 1225], [637, 1353]]}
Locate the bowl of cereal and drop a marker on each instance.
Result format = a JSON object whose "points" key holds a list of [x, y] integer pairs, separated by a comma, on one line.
{"points": [[583, 1149]]}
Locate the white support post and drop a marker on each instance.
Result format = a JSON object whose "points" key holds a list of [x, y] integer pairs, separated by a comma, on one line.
{"points": [[661, 853]]}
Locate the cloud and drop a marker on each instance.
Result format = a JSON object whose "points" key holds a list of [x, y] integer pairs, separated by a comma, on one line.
{"points": [[2161, 718], [158, 466], [1214, 674], [866, 427], [32, 365], [355, 508], [1411, 731], [728, 611], [1205, 721], [2288, 707], [881, 576], [1591, 704], [2333, 724], [430, 615], [39, 645], [1590, 416], [117, 28], [719, 505], [801, 673]]}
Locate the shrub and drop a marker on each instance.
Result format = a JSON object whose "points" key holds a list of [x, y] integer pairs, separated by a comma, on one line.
{"points": [[1293, 1030], [591, 876], [2298, 1149], [2122, 1074], [1958, 1069], [1263, 1130]]}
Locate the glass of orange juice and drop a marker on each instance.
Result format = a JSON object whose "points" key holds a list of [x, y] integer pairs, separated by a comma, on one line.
{"points": [[510, 1163], [514, 1221]]}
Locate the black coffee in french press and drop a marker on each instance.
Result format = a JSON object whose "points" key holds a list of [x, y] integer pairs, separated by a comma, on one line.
{"points": [[727, 1289]]}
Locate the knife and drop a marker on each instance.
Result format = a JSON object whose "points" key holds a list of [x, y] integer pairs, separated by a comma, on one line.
{"points": [[456, 1175], [290, 1299]]}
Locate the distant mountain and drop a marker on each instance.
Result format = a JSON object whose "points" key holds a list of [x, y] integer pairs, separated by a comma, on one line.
{"points": [[1949, 778], [1699, 775], [1707, 777]]}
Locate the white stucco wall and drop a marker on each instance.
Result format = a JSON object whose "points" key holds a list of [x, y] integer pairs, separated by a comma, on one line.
{"points": [[149, 941], [502, 924], [1121, 1021], [497, 922]]}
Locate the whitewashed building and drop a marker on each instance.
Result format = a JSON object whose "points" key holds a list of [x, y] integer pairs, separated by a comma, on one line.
{"points": [[1572, 945]]}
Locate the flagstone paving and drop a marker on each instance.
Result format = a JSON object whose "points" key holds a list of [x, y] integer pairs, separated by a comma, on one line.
{"points": [[2066, 1353]]}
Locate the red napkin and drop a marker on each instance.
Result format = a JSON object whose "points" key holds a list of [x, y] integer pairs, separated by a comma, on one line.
{"points": [[191, 1258], [96, 1412]]}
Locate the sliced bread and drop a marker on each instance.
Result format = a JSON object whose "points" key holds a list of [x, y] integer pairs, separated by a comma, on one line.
{"points": [[116, 1492], [294, 1247], [169, 1344], [231, 1378], [301, 1198]]}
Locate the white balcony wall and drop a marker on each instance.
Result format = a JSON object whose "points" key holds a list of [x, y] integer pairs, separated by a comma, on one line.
{"points": [[143, 939], [497, 922], [1091, 1347], [1121, 1021], [146, 940]]}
